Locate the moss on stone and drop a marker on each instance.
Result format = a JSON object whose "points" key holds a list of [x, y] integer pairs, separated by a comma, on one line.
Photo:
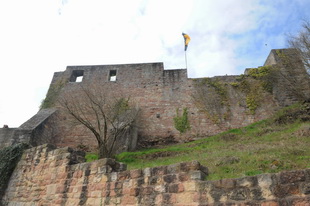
{"points": [[235, 84], [260, 72], [52, 94], [252, 103], [212, 98]]}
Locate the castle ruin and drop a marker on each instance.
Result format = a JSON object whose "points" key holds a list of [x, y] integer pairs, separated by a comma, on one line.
{"points": [[213, 104], [46, 175]]}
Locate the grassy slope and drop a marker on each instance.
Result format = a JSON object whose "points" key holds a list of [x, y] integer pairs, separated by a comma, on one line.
{"points": [[273, 145]]}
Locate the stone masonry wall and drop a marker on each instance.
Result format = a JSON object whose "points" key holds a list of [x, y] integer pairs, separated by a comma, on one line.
{"points": [[159, 93], [10, 136], [36, 131], [49, 176]]}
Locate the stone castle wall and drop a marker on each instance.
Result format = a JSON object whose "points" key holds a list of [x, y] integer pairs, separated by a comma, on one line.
{"points": [[34, 131], [159, 93], [224, 102], [49, 176]]}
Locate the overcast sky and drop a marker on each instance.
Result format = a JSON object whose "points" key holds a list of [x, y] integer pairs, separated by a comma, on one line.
{"points": [[40, 37]]}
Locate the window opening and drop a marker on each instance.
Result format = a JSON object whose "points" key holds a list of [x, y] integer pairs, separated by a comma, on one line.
{"points": [[77, 76], [79, 79], [112, 75]]}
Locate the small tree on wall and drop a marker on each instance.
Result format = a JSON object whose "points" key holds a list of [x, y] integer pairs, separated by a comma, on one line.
{"points": [[107, 116]]}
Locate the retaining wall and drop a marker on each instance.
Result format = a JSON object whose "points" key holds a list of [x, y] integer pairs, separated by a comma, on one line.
{"points": [[49, 176]]}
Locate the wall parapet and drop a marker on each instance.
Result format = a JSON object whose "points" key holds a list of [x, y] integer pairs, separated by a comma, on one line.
{"points": [[49, 176]]}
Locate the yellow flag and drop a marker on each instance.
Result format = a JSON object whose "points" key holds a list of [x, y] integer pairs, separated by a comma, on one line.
{"points": [[186, 40]]}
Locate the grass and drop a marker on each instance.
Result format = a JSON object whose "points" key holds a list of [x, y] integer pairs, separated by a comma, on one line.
{"points": [[91, 157], [269, 146]]}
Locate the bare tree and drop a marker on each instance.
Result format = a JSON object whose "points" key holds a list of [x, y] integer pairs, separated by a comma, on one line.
{"points": [[301, 41], [107, 116]]}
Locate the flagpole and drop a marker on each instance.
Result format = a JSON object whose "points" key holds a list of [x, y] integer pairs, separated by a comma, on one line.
{"points": [[186, 40], [185, 59]]}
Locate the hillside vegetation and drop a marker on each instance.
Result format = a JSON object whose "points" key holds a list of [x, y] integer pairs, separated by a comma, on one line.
{"points": [[273, 145], [269, 146]]}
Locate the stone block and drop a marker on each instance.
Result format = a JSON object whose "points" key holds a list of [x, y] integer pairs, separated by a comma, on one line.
{"points": [[118, 185], [247, 182], [167, 198], [96, 178], [174, 168], [183, 176], [128, 200], [147, 172], [305, 187], [169, 178], [113, 176], [134, 191], [123, 175], [90, 201], [185, 198], [225, 183], [95, 194], [51, 189], [301, 201], [100, 186], [116, 166], [265, 182], [135, 173], [270, 203], [122, 167], [153, 180], [189, 186], [113, 193], [175, 188], [61, 151], [160, 188], [188, 166], [61, 188], [200, 197], [256, 193], [159, 171], [104, 170], [147, 190], [216, 195], [292, 177], [282, 191], [239, 194], [197, 175]]}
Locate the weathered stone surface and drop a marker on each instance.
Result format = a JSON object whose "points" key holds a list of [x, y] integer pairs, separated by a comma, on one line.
{"points": [[48, 183], [158, 93], [293, 176]]}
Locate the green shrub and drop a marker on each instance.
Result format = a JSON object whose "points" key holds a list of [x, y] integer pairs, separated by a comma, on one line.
{"points": [[91, 157], [181, 123]]}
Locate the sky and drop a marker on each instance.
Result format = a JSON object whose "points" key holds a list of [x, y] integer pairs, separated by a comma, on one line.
{"points": [[40, 37]]}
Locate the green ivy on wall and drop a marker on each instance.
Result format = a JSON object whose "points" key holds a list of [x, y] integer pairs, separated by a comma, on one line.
{"points": [[181, 123], [218, 87], [52, 94], [9, 157], [251, 88], [211, 97]]}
